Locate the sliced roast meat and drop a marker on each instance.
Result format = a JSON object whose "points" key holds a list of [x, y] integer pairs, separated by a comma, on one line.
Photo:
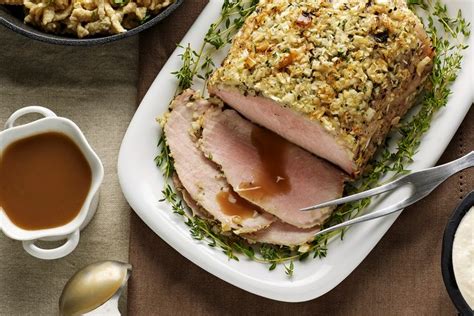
{"points": [[280, 233], [196, 209], [200, 176], [269, 171]]}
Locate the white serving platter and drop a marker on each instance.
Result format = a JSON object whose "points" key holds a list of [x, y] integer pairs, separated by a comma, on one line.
{"points": [[142, 183]]}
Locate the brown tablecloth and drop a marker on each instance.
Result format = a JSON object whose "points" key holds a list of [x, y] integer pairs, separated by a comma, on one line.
{"points": [[401, 276]]}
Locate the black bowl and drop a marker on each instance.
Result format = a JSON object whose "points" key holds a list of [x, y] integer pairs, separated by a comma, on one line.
{"points": [[12, 17], [447, 255]]}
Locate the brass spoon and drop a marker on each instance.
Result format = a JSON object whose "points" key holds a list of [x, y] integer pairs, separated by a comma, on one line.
{"points": [[95, 289]]}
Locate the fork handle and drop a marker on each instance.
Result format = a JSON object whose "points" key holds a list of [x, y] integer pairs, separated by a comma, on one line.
{"points": [[462, 163], [449, 169], [440, 173]]}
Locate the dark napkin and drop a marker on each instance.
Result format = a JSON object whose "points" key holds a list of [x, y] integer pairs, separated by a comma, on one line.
{"points": [[401, 276]]}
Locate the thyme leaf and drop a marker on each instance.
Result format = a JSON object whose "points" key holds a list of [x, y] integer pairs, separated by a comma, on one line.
{"points": [[289, 269]]}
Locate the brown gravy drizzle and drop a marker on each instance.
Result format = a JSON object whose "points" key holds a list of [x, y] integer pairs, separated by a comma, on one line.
{"points": [[232, 204], [273, 180], [44, 180]]}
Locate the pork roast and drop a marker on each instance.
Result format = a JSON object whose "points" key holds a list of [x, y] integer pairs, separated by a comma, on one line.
{"points": [[330, 76]]}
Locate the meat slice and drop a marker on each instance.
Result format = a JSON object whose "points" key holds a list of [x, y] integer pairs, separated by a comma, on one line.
{"points": [[201, 177], [330, 76], [269, 171], [283, 234], [195, 208]]}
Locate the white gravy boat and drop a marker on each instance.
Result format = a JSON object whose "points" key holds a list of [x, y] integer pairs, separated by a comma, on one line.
{"points": [[70, 231]]}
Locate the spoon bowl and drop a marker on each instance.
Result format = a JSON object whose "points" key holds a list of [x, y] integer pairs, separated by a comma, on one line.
{"points": [[96, 286]]}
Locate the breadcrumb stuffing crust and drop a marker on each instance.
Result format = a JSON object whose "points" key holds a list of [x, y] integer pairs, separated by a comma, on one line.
{"points": [[354, 66]]}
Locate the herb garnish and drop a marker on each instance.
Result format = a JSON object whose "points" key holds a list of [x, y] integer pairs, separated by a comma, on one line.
{"points": [[199, 64], [447, 35]]}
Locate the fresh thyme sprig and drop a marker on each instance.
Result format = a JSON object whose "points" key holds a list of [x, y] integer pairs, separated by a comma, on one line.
{"points": [[163, 160], [186, 73], [198, 64], [453, 26]]}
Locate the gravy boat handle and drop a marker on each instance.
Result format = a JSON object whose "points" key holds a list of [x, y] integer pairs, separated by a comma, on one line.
{"points": [[27, 110], [55, 253]]}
